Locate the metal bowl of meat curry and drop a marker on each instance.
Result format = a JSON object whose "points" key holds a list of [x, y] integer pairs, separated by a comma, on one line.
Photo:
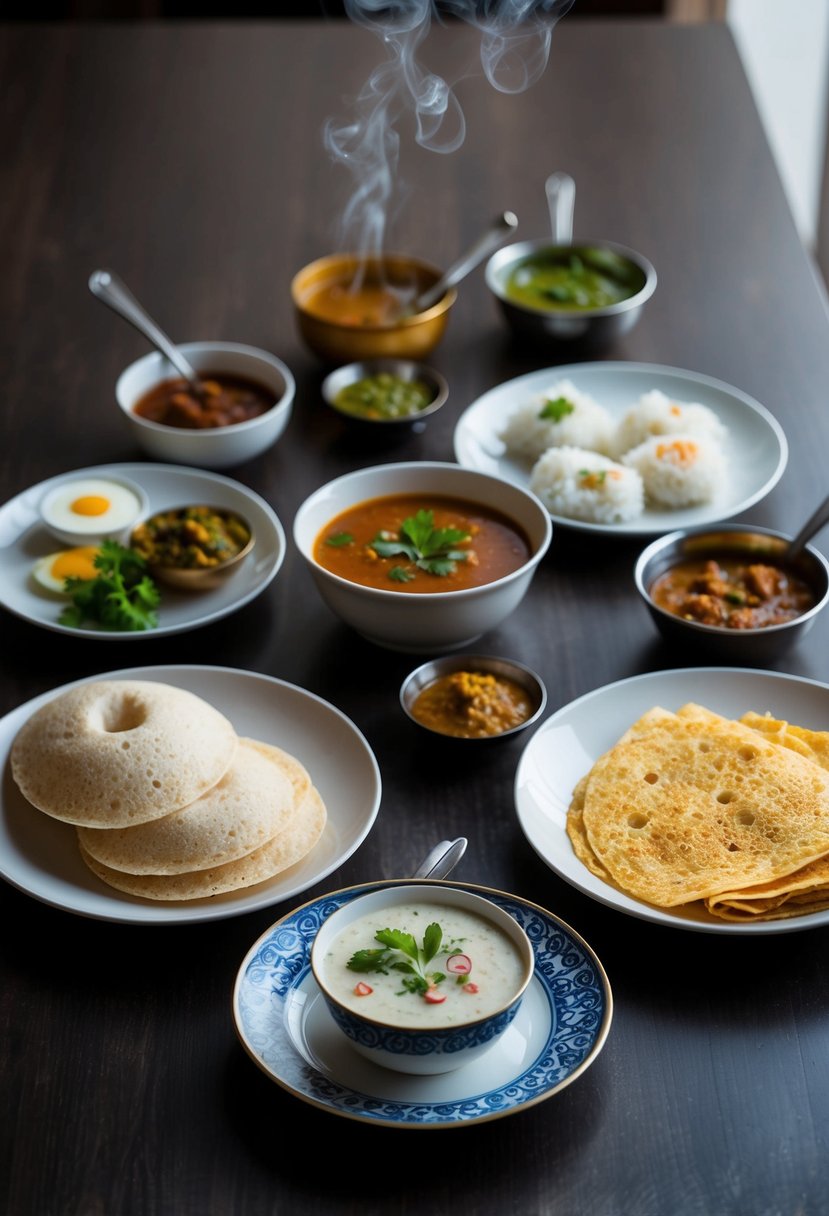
{"points": [[732, 593]]}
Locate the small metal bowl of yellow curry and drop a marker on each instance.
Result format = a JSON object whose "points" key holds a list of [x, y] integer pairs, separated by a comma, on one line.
{"points": [[194, 547], [473, 696]]}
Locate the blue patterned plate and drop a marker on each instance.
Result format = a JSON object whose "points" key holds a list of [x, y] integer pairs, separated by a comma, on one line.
{"points": [[285, 1027]]}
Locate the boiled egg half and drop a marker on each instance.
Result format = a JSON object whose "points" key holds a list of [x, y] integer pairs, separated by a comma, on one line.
{"points": [[91, 509], [51, 571]]}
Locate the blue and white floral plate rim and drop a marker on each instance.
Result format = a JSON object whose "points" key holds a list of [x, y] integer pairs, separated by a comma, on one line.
{"points": [[284, 1026]]}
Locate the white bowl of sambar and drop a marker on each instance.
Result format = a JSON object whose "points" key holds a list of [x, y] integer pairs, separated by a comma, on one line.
{"points": [[422, 556]]}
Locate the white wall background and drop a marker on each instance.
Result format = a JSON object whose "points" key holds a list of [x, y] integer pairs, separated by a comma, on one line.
{"points": [[784, 46]]}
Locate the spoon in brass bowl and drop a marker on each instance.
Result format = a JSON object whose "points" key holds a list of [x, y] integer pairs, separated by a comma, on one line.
{"points": [[491, 239], [817, 520], [113, 292]]}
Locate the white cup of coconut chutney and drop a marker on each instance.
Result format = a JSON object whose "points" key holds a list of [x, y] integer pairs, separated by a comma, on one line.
{"points": [[436, 989]]}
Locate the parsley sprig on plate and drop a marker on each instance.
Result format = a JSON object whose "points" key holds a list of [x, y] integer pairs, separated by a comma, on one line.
{"points": [[121, 596], [434, 550]]}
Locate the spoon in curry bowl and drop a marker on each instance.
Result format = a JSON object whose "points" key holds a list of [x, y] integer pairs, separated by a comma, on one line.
{"points": [[494, 236], [817, 520], [112, 291]]}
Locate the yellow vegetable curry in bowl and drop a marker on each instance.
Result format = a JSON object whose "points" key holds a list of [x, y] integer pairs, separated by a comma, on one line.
{"points": [[473, 696], [193, 548]]}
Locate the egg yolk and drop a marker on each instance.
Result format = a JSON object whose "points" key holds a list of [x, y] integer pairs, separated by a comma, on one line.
{"points": [[75, 563], [90, 504]]}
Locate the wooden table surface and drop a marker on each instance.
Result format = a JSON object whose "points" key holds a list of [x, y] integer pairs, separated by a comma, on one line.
{"points": [[190, 158]]}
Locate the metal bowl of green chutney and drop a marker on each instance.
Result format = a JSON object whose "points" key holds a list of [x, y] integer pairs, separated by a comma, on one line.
{"points": [[575, 297], [386, 395]]}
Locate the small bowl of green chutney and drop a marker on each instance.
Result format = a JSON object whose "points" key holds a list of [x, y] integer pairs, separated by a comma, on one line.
{"points": [[386, 394], [579, 296], [566, 295]]}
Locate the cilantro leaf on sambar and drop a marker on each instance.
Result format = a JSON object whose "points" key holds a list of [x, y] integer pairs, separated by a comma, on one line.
{"points": [[431, 549]]}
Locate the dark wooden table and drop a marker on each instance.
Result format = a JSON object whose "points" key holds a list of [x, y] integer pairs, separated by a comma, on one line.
{"points": [[190, 159]]}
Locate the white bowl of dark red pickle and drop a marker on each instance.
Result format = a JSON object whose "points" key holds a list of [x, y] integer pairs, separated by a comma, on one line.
{"points": [[729, 593], [246, 404]]}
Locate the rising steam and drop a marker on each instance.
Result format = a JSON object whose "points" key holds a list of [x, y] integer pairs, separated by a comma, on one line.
{"points": [[515, 47]]}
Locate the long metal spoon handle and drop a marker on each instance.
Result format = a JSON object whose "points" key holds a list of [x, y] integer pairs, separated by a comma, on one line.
{"points": [[817, 520], [442, 859], [505, 223], [561, 200], [110, 289]]}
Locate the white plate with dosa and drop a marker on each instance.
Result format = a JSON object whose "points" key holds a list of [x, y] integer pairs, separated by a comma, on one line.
{"points": [[23, 540], [756, 447], [39, 854], [568, 743]]}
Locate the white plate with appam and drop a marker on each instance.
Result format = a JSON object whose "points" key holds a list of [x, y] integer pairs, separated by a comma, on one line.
{"points": [[570, 741], [755, 448], [40, 856], [24, 541]]}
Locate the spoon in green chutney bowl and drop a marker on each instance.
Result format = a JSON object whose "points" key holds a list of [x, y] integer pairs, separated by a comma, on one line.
{"points": [[561, 200]]}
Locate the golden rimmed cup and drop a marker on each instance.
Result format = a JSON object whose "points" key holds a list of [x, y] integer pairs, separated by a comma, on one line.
{"points": [[410, 337]]}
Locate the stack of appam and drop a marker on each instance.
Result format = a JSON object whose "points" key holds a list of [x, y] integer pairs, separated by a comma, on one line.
{"points": [[699, 810], [168, 802]]}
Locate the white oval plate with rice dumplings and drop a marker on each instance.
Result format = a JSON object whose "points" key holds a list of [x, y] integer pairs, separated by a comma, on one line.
{"points": [[754, 446], [40, 855]]}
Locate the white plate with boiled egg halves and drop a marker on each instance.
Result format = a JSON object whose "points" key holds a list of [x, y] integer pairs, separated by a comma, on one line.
{"points": [[44, 537]]}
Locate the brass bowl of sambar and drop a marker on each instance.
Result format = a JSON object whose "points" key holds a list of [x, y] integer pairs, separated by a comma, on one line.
{"points": [[350, 308]]}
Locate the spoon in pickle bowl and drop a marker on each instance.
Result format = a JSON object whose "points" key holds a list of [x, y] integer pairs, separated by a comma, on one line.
{"points": [[112, 291], [491, 239], [817, 520]]}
